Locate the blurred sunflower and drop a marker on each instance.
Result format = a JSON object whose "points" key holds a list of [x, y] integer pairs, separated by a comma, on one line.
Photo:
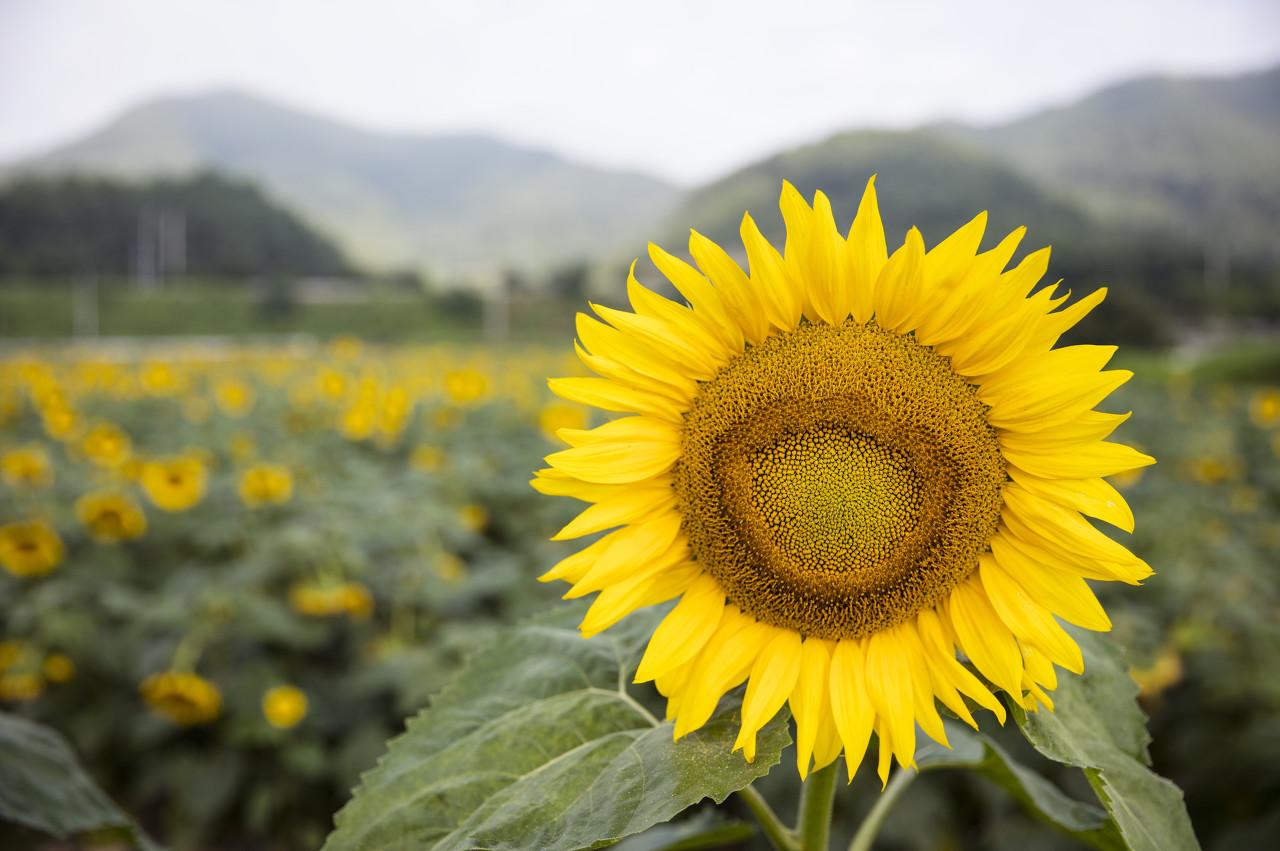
{"points": [[30, 549], [175, 483], [327, 599], [184, 698], [266, 484], [27, 467], [849, 467], [1264, 407], [20, 675], [106, 445], [284, 706], [111, 516]]}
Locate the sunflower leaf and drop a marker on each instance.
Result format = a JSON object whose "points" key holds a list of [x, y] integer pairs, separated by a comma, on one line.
{"points": [[43, 786], [537, 744], [973, 751], [1097, 726]]}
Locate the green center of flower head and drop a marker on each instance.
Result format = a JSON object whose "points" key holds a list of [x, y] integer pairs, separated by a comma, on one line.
{"points": [[836, 480]]}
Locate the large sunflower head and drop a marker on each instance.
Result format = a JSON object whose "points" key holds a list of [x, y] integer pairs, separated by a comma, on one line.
{"points": [[858, 471]]}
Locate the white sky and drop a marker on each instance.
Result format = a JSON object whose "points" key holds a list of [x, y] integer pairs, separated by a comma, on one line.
{"points": [[687, 90]]}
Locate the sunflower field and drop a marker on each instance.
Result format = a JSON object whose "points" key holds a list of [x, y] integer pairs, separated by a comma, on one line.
{"points": [[230, 572]]}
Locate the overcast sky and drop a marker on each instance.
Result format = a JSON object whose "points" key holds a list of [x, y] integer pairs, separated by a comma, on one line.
{"points": [[687, 90]]}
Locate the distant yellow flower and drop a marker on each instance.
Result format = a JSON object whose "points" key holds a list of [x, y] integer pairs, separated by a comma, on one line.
{"points": [[446, 418], [27, 466], [450, 568], [284, 706], [1264, 407], [111, 516], [1212, 470], [321, 600], [1165, 671], [185, 699], [427, 458], [266, 484], [175, 483], [473, 517], [161, 379], [467, 386], [557, 415], [58, 668], [106, 445], [242, 446], [234, 398], [331, 383], [346, 347], [30, 549], [60, 423], [1127, 479], [21, 687], [357, 422], [20, 678]]}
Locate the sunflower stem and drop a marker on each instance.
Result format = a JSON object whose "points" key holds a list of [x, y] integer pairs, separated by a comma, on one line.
{"points": [[875, 817], [816, 797], [781, 837]]}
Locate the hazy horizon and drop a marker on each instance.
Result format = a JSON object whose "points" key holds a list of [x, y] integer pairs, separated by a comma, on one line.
{"points": [[686, 95]]}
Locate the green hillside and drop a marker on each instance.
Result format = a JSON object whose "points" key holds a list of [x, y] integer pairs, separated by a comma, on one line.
{"points": [[451, 203], [1199, 155], [206, 225], [926, 180]]}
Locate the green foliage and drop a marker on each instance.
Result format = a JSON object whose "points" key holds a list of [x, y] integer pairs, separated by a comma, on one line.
{"points": [[976, 752], [221, 226], [1098, 726], [539, 744], [43, 786]]}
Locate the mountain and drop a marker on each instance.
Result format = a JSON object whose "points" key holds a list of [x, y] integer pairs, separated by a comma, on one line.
{"points": [[1198, 155], [924, 179], [450, 203]]}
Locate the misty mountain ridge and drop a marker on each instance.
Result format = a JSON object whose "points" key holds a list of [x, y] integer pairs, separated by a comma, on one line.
{"points": [[457, 203], [1155, 165]]}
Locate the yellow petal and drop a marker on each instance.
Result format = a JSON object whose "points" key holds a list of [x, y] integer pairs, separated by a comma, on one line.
{"points": [[809, 698], [1092, 497], [867, 254], [722, 664], [772, 679], [984, 637], [617, 602], [850, 703], [1028, 620], [890, 687], [1065, 594], [630, 505], [684, 631]]}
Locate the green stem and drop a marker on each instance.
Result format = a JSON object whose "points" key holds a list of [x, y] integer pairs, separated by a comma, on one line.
{"points": [[781, 837], [870, 826], [816, 798]]}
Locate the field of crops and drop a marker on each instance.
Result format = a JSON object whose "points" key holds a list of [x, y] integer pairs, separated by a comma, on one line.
{"points": [[230, 573]]}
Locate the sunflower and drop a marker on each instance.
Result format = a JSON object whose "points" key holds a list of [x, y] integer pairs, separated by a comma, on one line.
{"points": [[856, 471], [30, 549], [184, 698], [175, 483], [284, 706], [26, 466], [106, 445], [111, 516], [266, 484]]}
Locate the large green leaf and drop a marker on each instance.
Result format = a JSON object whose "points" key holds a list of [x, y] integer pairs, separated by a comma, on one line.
{"points": [[1098, 726], [975, 752], [538, 744], [43, 786]]}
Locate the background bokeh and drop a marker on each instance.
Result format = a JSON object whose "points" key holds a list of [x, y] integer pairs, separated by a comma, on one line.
{"points": [[280, 290]]}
